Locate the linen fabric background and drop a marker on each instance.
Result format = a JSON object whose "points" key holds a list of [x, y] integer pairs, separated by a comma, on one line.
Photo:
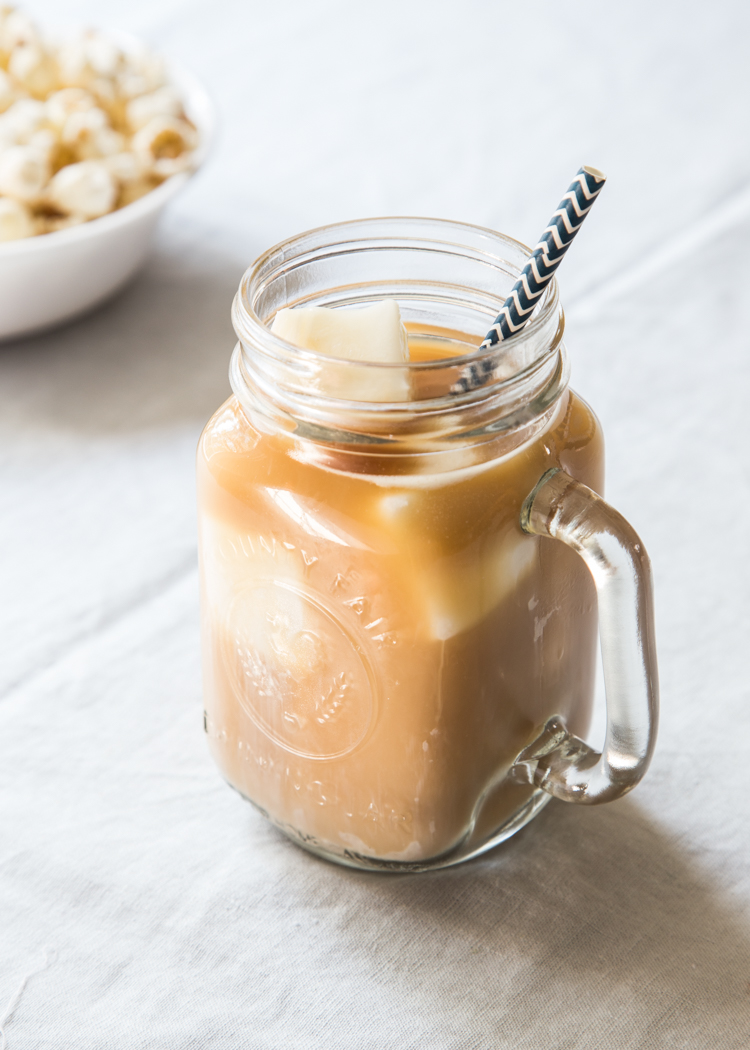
{"points": [[165, 911]]}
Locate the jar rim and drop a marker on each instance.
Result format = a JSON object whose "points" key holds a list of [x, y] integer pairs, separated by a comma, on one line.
{"points": [[447, 277], [249, 325]]}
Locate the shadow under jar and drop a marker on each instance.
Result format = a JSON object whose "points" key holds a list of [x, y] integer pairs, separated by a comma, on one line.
{"points": [[400, 563]]}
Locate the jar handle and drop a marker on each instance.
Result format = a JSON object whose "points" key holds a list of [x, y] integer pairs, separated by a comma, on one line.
{"points": [[557, 761]]}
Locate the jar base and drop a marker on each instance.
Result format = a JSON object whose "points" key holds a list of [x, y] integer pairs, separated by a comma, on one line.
{"points": [[465, 850]]}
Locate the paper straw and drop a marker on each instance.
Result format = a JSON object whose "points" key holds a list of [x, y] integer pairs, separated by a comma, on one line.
{"points": [[547, 256]]}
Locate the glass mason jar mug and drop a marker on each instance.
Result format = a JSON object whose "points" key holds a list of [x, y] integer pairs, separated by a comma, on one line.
{"points": [[402, 564]]}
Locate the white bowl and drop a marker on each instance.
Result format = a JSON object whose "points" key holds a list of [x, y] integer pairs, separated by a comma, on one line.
{"points": [[51, 278]]}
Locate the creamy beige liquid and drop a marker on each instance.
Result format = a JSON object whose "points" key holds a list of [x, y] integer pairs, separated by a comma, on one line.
{"points": [[377, 650]]}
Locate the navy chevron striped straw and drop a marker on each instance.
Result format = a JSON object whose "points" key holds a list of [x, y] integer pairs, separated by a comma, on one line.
{"points": [[547, 256]]}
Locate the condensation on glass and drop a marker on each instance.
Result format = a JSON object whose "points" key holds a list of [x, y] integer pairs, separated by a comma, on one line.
{"points": [[400, 585]]}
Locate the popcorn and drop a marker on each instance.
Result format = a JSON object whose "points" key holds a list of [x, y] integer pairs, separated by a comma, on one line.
{"points": [[44, 142], [9, 92], [86, 189], [15, 28], [61, 104], [90, 57], [21, 121], [105, 92], [104, 57], [15, 220], [34, 69], [134, 189], [125, 166], [90, 134], [143, 74], [134, 178], [24, 173], [165, 102], [86, 126], [163, 144]]}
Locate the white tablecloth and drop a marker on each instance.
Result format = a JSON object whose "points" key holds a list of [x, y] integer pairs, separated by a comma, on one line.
{"points": [[168, 913]]}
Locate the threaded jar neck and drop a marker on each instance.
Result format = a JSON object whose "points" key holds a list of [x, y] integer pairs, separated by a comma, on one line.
{"points": [[445, 276]]}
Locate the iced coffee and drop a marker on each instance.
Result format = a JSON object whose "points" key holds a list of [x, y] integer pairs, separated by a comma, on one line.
{"points": [[381, 639]]}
